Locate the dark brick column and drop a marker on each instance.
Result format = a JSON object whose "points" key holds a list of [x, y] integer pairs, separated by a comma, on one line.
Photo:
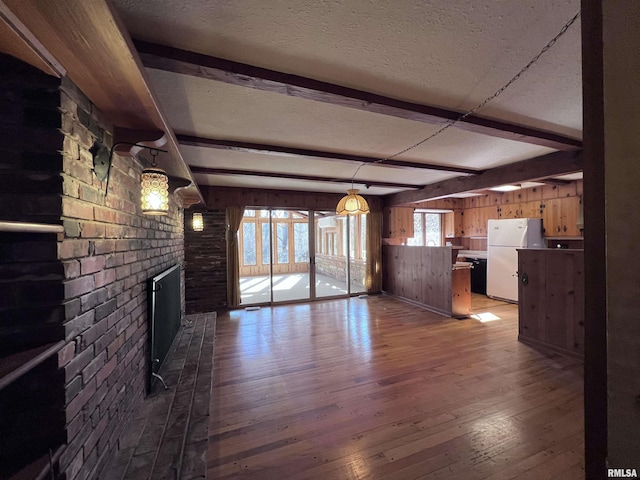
{"points": [[206, 264]]}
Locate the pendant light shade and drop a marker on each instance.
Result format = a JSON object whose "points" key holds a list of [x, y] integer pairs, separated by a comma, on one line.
{"points": [[154, 184], [352, 204], [197, 222]]}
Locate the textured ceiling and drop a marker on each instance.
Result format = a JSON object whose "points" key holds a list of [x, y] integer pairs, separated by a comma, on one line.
{"points": [[445, 53]]}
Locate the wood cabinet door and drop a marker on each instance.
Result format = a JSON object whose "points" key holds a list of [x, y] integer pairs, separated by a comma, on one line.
{"points": [[469, 220], [457, 223], [531, 295], [569, 211], [448, 225], [551, 223], [397, 222], [402, 221]]}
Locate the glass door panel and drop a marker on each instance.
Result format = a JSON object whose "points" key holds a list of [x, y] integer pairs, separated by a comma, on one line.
{"points": [[357, 253], [255, 258], [330, 254], [290, 231]]}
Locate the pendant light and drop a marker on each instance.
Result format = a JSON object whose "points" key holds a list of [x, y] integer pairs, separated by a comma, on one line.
{"points": [[154, 184], [352, 204], [197, 222]]}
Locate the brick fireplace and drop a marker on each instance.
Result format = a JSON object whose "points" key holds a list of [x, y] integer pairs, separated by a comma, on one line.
{"points": [[74, 300]]}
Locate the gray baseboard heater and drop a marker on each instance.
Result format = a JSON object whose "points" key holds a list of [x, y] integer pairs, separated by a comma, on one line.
{"points": [[165, 315]]}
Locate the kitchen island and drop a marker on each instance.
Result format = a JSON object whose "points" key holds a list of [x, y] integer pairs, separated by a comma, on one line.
{"points": [[551, 299], [429, 277]]}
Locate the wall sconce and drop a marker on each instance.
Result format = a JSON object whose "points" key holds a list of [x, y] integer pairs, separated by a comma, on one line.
{"points": [[197, 222], [154, 181], [154, 189]]}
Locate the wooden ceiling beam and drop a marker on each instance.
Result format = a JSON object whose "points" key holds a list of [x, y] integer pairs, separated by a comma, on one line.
{"points": [[553, 164], [213, 68], [291, 176], [231, 145]]}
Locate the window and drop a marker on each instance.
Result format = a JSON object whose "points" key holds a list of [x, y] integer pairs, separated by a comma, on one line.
{"points": [[301, 242], [427, 229], [249, 243]]}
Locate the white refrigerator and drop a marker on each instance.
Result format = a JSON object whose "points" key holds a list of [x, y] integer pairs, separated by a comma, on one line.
{"points": [[503, 238]]}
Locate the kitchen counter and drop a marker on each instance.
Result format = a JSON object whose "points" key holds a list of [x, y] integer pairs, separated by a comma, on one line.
{"points": [[472, 253], [428, 276]]}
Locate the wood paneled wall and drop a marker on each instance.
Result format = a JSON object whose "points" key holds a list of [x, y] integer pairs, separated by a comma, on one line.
{"points": [[557, 205], [222, 197], [419, 274]]}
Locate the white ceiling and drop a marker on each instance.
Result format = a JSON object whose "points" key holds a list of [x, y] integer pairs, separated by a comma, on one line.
{"points": [[446, 53]]}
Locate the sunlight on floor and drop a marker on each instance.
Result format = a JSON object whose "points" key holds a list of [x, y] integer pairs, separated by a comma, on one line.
{"points": [[288, 282], [485, 317]]}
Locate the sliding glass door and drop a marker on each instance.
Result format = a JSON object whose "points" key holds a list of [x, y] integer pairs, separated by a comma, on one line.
{"points": [[300, 255], [331, 247]]}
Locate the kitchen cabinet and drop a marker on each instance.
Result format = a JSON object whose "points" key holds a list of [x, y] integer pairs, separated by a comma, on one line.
{"points": [[474, 220], [398, 222], [520, 210], [551, 299], [560, 217], [452, 224]]}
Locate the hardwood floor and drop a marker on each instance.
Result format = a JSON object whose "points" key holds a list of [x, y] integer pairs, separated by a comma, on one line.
{"points": [[376, 388]]}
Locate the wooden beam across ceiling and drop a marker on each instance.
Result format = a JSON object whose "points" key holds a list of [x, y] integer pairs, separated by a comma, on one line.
{"points": [[195, 64], [553, 164], [292, 176], [232, 145]]}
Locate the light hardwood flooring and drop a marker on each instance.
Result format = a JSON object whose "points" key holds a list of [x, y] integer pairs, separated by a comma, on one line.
{"points": [[376, 388]]}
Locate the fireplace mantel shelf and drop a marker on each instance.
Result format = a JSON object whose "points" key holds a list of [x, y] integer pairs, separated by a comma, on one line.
{"points": [[26, 227], [16, 365]]}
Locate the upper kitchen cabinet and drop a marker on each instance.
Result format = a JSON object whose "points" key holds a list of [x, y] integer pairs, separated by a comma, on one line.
{"points": [[560, 217], [452, 224], [398, 222], [474, 220]]}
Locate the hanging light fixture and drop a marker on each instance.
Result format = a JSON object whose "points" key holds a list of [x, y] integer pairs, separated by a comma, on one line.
{"points": [[197, 222], [154, 184], [352, 204]]}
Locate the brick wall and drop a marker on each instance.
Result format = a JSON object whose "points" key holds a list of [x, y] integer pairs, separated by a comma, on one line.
{"points": [[85, 287], [206, 264], [336, 267], [108, 252]]}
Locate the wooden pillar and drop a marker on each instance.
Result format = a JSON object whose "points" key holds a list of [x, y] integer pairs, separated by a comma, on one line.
{"points": [[611, 92]]}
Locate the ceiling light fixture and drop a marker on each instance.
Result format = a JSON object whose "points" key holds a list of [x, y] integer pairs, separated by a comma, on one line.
{"points": [[197, 222], [352, 203], [506, 188]]}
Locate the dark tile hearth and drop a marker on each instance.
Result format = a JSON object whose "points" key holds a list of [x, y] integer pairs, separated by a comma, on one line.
{"points": [[167, 435]]}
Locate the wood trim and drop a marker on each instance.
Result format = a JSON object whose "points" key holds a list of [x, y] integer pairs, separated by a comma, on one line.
{"points": [[557, 163], [213, 68], [595, 322], [315, 178], [235, 146], [20, 42], [91, 43]]}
